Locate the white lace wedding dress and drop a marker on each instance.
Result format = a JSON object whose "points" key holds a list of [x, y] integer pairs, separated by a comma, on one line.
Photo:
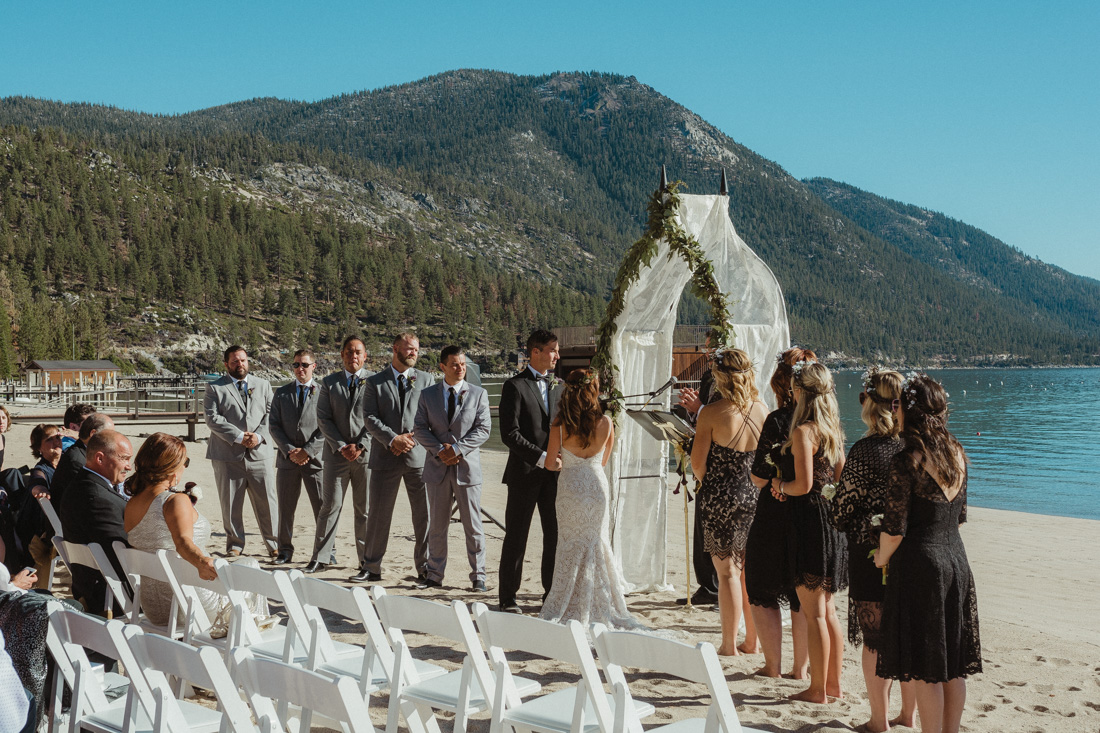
{"points": [[588, 584]]}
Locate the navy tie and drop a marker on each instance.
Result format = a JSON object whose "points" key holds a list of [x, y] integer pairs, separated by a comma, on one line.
{"points": [[451, 403]]}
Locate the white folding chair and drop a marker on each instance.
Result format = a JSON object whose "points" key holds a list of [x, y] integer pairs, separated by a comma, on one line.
{"points": [[464, 692], [160, 658], [185, 582], [288, 643], [584, 708], [92, 556], [269, 683], [371, 665], [699, 664], [55, 523], [139, 566]]}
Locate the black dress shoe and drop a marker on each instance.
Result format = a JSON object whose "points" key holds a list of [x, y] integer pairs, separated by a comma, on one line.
{"points": [[365, 576], [479, 587], [509, 608], [282, 559], [701, 597], [428, 583], [314, 567]]}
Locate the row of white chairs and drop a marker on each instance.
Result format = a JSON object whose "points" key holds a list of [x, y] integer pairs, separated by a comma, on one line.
{"points": [[386, 662]]}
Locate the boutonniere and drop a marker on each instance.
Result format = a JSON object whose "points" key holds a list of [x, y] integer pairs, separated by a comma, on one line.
{"points": [[251, 390], [360, 381], [411, 379], [311, 390], [553, 382], [462, 396]]}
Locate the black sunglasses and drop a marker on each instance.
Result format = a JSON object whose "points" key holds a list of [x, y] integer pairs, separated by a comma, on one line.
{"points": [[302, 364]]}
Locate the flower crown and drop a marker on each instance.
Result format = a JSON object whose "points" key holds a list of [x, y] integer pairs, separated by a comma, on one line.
{"points": [[719, 357], [909, 390], [798, 366], [869, 374], [587, 379]]}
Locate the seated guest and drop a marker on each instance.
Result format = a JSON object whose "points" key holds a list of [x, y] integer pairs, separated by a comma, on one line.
{"points": [[15, 700], [74, 417], [34, 528], [92, 511], [73, 459], [21, 582], [158, 517]]}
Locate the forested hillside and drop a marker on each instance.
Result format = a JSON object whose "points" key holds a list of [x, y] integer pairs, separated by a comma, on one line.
{"points": [[477, 203]]}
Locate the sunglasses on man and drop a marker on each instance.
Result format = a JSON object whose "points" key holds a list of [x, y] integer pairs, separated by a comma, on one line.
{"points": [[302, 364]]}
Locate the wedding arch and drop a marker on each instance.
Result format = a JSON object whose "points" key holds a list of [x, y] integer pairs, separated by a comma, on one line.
{"points": [[689, 239]]}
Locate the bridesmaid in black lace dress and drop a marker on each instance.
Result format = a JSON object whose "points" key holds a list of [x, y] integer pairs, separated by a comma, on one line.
{"points": [[767, 579], [817, 552], [930, 613], [857, 511], [725, 443]]}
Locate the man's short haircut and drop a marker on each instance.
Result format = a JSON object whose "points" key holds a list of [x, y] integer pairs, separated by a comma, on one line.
{"points": [[233, 350], [349, 339], [105, 441], [94, 424], [75, 414], [540, 338], [405, 336], [304, 352], [449, 351]]}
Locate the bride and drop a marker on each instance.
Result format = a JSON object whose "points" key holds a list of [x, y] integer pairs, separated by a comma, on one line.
{"points": [[588, 584]]}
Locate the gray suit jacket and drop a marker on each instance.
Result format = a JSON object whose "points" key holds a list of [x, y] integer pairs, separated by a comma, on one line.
{"points": [[291, 430], [385, 419], [466, 431], [340, 418], [228, 417]]}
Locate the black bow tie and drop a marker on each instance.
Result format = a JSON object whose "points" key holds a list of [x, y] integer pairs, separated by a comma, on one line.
{"points": [[543, 378]]}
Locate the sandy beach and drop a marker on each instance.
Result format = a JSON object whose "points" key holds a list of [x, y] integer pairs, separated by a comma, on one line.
{"points": [[1037, 583]]}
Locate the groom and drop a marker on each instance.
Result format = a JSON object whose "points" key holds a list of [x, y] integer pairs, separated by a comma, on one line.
{"points": [[527, 402]]}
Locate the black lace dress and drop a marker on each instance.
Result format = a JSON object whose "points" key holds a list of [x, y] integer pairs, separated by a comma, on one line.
{"points": [[817, 553], [860, 497], [767, 571], [930, 613], [727, 501]]}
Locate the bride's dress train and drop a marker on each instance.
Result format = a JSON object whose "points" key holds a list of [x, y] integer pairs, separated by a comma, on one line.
{"points": [[588, 583]]}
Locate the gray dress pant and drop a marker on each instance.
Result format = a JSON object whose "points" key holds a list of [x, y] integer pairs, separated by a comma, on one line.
{"points": [[234, 479], [288, 484], [469, 511], [337, 474], [384, 483]]}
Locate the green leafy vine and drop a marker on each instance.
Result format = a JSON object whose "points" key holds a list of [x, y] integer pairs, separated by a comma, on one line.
{"points": [[662, 224]]}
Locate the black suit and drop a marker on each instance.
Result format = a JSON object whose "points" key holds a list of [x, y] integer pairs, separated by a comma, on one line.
{"points": [[92, 512], [525, 429], [68, 471]]}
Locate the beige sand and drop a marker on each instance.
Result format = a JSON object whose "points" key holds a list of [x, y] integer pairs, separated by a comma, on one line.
{"points": [[1037, 584]]}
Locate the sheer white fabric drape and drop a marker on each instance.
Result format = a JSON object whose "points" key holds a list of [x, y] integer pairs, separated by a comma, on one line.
{"points": [[642, 350]]}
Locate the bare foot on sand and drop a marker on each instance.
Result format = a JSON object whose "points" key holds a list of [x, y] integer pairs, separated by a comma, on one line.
{"points": [[765, 672], [798, 674], [906, 721], [747, 648], [810, 695], [868, 728], [723, 652]]}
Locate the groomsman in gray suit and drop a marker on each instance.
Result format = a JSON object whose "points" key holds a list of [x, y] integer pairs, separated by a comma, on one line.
{"points": [[451, 423], [340, 417], [299, 441], [236, 409], [391, 400]]}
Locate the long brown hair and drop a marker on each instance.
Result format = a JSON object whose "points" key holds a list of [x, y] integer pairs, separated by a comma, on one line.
{"points": [[579, 410], [158, 459], [818, 405], [781, 377], [924, 404], [883, 390]]}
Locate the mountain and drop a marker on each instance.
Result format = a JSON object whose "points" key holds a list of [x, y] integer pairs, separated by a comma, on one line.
{"points": [[538, 180]]}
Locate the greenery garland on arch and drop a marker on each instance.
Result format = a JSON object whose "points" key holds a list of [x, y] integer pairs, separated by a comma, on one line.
{"points": [[662, 224]]}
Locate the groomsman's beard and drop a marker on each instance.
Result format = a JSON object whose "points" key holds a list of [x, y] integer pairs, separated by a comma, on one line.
{"points": [[239, 373], [408, 361]]}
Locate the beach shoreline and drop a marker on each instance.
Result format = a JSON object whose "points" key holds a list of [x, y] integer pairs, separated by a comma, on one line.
{"points": [[1036, 578]]}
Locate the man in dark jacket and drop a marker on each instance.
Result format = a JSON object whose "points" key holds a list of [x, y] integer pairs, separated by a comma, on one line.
{"points": [[92, 511]]}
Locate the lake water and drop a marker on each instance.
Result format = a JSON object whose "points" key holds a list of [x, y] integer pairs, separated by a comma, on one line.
{"points": [[1036, 451]]}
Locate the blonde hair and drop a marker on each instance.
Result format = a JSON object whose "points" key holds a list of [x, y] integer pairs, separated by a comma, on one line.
{"points": [[818, 405], [734, 377], [883, 390]]}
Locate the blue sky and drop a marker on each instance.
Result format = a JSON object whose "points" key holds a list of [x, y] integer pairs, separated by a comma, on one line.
{"points": [[986, 111]]}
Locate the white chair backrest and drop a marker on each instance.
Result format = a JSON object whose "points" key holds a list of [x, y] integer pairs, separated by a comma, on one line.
{"points": [[241, 580], [92, 556], [565, 643], [159, 658], [48, 510], [699, 663], [139, 564], [354, 604], [73, 633], [268, 681], [184, 579]]}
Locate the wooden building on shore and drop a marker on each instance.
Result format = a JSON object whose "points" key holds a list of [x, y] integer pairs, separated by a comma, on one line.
{"points": [[96, 373]]}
